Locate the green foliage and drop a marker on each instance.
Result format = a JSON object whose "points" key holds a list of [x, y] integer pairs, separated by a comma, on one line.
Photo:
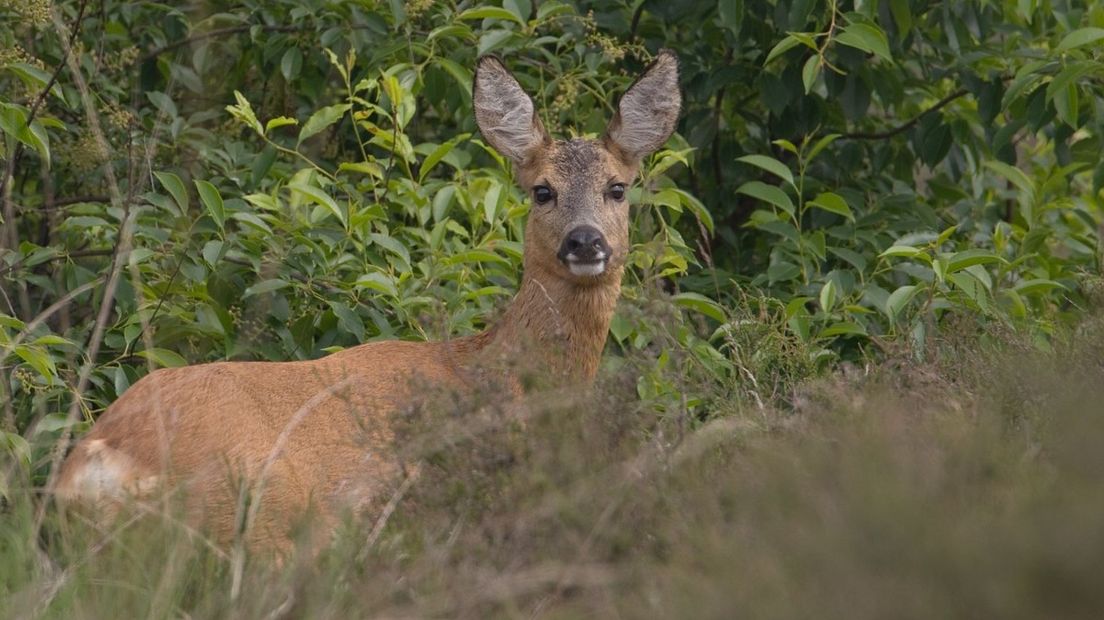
{"points": [[283, 179], [280, 180], [960, 130], [276, 180]]}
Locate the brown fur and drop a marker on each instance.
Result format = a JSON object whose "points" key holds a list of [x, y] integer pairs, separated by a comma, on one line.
{"points": [[319, 433]]}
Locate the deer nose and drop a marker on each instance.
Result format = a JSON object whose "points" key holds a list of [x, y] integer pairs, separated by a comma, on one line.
{"points": [[584, 244]]}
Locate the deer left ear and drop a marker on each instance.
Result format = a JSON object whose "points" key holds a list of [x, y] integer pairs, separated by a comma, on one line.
{"points": [[505, 114], [648, 112]]}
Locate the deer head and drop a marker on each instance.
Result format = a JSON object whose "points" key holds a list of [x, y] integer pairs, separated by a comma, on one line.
{"points": [[578, 227]]}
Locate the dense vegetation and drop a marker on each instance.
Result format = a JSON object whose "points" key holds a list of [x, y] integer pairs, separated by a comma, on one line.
{"points": [[907, 185]]}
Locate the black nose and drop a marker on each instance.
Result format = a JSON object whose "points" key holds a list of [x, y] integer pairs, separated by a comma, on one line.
{"points": [[584, 244]]}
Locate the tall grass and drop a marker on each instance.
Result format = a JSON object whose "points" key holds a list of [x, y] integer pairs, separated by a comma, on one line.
{"points": [[971, 488]]}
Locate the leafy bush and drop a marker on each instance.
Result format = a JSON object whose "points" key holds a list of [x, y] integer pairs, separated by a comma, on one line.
{"points": [[276, 180], [889, 164]]}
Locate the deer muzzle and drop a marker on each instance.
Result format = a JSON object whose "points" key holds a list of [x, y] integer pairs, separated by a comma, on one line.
{"points": [[585, 251]]}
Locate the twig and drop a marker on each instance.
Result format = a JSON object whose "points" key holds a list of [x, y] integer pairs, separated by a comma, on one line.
{"points": [[72, 200], [885, 135], [47, 313], [636, 19], [78, 254], [122, 252], [388, 510], [214, 33]]}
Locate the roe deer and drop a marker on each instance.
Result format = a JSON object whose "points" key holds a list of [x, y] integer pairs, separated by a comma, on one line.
{"points": [[320, 433]]}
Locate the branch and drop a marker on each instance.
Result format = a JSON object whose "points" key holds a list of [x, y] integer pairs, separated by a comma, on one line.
{"points": [[213, 33], [58, 203], [885, 135], [636, 20]]}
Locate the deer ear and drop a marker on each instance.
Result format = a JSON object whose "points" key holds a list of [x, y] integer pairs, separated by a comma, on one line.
{"points": [[505, 114], [648, 112]]}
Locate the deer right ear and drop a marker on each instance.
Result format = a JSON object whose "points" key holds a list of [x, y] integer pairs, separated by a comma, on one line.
{"points": [[506, 115], [647, 114]]}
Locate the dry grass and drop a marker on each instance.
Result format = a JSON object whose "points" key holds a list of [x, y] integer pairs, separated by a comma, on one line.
{"points": [[966, 488]]}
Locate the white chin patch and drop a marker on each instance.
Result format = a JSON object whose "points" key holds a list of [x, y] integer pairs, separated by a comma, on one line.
{"points": [[596, 268]]}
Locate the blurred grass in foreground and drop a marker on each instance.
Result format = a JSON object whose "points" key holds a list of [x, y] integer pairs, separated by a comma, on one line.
{"points": [[968, 488]]}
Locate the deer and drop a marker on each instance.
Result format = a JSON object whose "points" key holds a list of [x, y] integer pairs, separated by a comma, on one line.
{"points": [[319, 433]]}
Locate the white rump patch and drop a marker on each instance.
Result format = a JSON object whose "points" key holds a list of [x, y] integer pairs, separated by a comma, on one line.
{"points": [[105, 473]]}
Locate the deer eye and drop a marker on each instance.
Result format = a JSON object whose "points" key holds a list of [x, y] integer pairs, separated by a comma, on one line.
{"points": [[617, 192], [542, 194]]}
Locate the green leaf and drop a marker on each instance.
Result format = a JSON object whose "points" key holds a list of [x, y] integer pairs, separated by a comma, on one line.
{"points": [[439, 153], [667, 198], [972, 288], [348, 320], [212, 200], [39, 359], [828, 296], [243, 111], [369, 168], [163, 357], [15, 445], [492, 40], [320, 197], [51, 340], [767, 193], [1067, 105], [732, 15], [34, 77], [905, 251], [961, 260], [769, 164], [700, 303], [519, 8], [279, 121], [902, 16], [866, 37], [1080, 37], [392, 245], [322, 119], [696, 207], [1070, 75], [844, 328], [858, 261], [461, 74], [13, 121], [782, 272], [490, 12], [162, 102], [378, 281], [789, 42], [833, 203], [266, 286], [1016, 176], [1037, 285], [820, 145], [898, 299], [212, 251], [291, 63], [474, 256], [253, 220], [810, 72], [175, 187]]}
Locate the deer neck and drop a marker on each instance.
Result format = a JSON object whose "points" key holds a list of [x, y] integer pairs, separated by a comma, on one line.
{"points": [[556, 327]]}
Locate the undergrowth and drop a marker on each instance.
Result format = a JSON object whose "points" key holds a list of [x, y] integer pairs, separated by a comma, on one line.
{"points": [[908, 490]]}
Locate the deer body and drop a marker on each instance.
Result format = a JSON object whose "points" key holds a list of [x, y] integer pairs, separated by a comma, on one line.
{"points": [[319, 433]]}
